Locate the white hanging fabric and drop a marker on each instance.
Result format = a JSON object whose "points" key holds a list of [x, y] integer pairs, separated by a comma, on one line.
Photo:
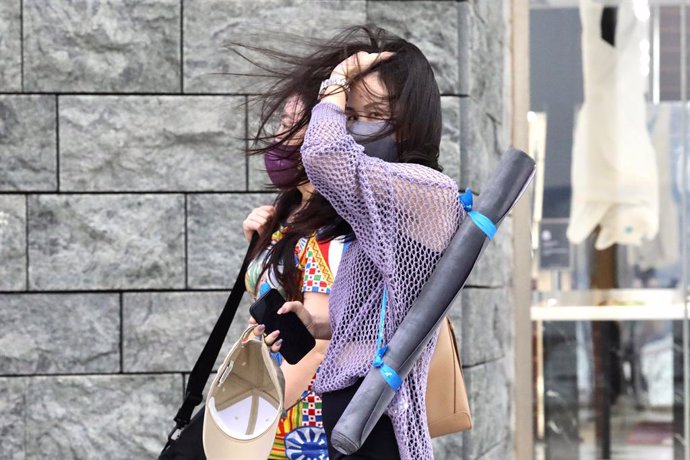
{"points": [[614, 171], [663, 250]]}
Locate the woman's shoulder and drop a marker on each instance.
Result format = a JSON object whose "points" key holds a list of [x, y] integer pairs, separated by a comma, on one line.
{"points": [[320, 260], [322, 250]]}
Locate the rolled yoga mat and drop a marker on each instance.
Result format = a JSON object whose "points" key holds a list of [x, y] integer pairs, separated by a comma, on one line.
{"points": [[503, 189]]}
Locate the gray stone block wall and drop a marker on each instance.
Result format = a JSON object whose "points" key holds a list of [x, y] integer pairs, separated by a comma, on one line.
{"points": [[123, 186], [214, 250], [151, 143], [60, 333], [211, 25], [114, 241], [121, 47], [29, 142], [10, 45], [13, 242]]}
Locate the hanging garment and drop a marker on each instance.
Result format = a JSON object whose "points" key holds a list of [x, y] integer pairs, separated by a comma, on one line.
{"points": [[664, 250], [614, 171]]}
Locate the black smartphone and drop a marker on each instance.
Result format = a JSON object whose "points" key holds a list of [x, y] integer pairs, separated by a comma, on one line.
{"points": [[297, 340]]}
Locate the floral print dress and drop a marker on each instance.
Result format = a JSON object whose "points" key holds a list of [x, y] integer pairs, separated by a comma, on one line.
{"points": [[300, 434]]}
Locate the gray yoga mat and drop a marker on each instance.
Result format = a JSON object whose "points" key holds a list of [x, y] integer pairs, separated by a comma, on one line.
{"points": [[502, 190]]}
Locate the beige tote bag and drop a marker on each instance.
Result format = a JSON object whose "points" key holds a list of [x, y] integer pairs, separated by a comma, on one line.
{"points": [[244, 403], [447, 406]]}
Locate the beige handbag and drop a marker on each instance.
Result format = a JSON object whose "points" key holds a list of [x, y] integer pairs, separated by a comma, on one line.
{"points": [[447, 407], [244, 403]]}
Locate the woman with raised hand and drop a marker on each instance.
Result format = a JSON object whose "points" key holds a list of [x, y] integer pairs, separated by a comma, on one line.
{"points": [[371, 149]]}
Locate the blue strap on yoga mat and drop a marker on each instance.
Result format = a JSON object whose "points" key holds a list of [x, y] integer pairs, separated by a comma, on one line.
{"points": [[389, 375], [480, 220]]}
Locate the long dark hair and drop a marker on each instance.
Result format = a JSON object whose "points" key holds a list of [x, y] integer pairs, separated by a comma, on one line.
{"points": [[415, 104], [316, 218], [413, 93]]}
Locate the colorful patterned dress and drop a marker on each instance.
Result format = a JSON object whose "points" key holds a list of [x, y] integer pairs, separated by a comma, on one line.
{"points": [[300, 434]]}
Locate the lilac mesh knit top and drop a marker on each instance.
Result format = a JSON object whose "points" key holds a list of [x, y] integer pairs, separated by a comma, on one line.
{"points": [[403, 216]]}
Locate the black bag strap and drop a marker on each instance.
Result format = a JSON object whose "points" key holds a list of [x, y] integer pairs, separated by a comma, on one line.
{"points": [[204, 364]]}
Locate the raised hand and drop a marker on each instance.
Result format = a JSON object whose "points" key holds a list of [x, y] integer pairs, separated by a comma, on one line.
{"points": [[257, 220], [358, 63]]}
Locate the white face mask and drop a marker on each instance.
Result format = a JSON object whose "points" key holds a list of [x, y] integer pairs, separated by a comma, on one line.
{"points": [[365, 132]]}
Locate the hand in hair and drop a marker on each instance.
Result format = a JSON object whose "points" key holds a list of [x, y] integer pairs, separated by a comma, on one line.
{"points": [[359, 63], [256, 220]]}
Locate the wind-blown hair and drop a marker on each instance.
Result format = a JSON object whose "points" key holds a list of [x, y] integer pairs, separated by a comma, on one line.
{"points": [[415, 107], [413, 93]]}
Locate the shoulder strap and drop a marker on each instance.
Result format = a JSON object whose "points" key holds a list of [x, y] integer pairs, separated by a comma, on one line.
{"points": [[204, 364]]}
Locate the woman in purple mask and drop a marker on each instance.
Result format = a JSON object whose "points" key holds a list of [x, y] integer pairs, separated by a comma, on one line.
{"points": [[302, 232], [371, 149]]}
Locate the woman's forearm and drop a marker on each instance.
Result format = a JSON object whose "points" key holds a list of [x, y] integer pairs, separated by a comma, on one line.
{"points": [[321, 327], [316, 303]]}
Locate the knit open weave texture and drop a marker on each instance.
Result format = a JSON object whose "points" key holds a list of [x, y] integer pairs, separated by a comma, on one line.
{"points": [[403, 216]]}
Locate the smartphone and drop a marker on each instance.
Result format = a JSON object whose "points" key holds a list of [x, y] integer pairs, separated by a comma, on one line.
{"points": [[297, 340]]}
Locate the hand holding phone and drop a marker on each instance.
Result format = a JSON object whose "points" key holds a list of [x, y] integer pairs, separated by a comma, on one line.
{"points": [[297, 340]]}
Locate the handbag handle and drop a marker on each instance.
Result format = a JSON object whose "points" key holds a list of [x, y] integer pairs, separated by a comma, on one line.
{"points": [[204, 363], [247, 335]]}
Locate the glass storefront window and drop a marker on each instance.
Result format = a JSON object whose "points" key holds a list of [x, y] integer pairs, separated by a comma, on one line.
{"points": [[608, 126]]}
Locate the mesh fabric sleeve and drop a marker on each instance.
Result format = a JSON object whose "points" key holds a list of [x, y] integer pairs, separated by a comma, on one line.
{"points": [[380, 200]]}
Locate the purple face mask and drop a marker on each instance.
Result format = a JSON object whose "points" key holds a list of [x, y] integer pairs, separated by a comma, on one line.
{"points": [[281, 163]]}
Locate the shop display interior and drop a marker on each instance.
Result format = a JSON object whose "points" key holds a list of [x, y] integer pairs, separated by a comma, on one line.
{"points": [[608, 126]]}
